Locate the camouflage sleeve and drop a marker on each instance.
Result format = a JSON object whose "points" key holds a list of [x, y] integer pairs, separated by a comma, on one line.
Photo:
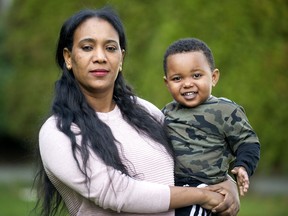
{"points": [[242, 140]]}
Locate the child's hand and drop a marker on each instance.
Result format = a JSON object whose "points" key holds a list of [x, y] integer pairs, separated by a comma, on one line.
{"points": [[242, 179]]}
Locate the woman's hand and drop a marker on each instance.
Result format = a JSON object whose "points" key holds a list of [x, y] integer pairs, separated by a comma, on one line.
{"points": [[231, 203], [211, 200], [186, 196]]}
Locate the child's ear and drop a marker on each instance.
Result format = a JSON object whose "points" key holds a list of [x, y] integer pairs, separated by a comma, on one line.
{"points": [[165, 80], [215, 76]]}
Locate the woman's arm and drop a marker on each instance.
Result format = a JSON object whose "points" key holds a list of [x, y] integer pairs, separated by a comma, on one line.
{"points": [[108, 188], [185, 196]]}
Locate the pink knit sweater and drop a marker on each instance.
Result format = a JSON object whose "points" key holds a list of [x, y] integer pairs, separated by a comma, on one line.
{"points": [[111, 192]]}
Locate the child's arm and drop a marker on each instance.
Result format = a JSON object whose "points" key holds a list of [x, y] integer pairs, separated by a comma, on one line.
{"points": [[242, 179]]}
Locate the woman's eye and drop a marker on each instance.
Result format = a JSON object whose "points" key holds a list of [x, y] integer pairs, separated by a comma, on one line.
{"points": [[111, 48], [87, 48]]}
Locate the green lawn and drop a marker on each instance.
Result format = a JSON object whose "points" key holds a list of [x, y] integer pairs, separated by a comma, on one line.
{"points": [[259, 205], [16, 200]]}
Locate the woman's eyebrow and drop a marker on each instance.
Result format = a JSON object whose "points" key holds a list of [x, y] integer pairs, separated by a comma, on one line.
{"points": [[93, 40], [87, 40]]}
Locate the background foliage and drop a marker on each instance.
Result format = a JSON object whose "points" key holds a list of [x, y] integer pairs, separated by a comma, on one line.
{"points": [[249, 39]]}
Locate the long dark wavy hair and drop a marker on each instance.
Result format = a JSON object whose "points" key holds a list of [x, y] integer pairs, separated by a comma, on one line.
{"points": [[70, 106]]}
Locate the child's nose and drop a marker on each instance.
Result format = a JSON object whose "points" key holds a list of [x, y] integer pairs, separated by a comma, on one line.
{"points": [[188, 83]]}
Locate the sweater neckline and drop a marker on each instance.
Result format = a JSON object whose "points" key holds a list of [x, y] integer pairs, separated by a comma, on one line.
{"points": [[113, 114]]}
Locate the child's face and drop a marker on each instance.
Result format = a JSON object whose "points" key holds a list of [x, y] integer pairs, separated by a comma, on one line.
{"points": [[189, 78]]}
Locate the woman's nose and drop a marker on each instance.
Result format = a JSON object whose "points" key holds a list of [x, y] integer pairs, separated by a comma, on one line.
{"points": [[99, 56]]}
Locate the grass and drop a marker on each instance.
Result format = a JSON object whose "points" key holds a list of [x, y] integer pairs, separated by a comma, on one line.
{"points": [[16, 199], [263, 205]]}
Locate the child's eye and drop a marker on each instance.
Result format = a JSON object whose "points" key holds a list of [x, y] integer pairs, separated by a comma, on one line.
{"points": [[176, 78], [197, 76]]}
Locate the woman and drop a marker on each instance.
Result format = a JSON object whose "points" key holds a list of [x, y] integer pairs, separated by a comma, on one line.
{"points": [[104, 151]]}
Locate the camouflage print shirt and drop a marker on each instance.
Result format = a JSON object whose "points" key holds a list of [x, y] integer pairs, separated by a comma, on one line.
{"points": [[207, 138]]}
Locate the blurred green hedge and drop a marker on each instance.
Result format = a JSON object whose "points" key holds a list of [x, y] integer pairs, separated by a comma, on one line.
{"points": [[249, 39]]}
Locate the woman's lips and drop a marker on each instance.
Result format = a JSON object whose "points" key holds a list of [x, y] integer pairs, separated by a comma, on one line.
{"points": [[99, 72]]}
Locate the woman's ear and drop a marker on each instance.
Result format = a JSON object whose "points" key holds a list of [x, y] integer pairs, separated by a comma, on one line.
{"points": [[215, 76], [67, 58], [122, 60], [123, 54]]}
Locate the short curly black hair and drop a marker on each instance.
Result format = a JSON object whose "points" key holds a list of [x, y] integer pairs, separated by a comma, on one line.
{"points": [[189, 45]]}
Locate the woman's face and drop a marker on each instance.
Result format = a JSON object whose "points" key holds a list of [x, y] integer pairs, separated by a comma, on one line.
{"points": [[96, 57]]}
